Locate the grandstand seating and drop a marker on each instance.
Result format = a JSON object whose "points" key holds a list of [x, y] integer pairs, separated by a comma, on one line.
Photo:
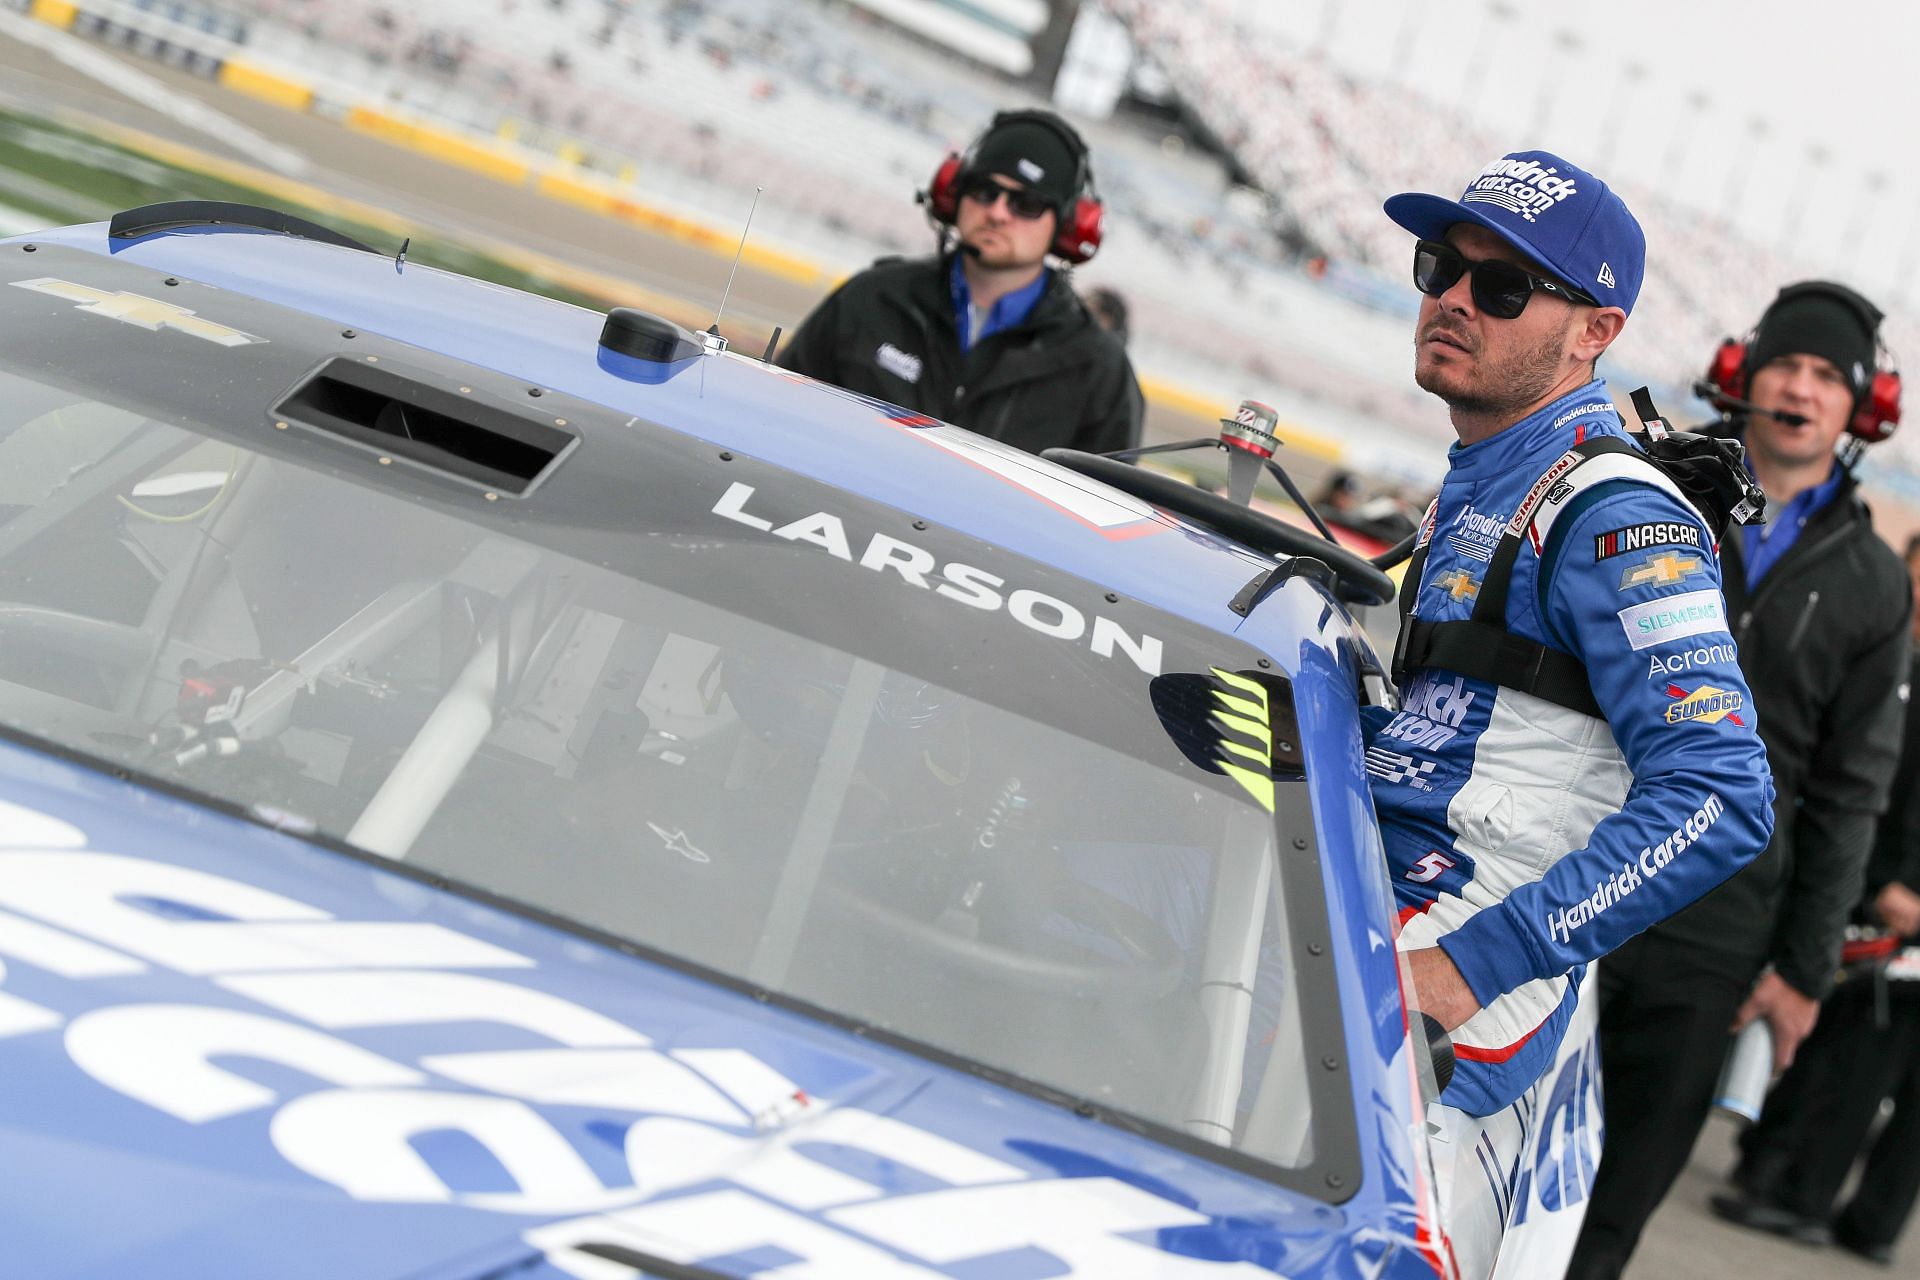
{"points": [[1332, 147], [699, 101]]}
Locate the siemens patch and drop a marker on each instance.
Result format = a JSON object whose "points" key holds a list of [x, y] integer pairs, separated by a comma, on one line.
{"points": [[1635, 537], [1691, 613]]}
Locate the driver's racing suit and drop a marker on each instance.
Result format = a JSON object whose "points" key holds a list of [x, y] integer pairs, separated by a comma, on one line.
{"points": [[1526, 838]]}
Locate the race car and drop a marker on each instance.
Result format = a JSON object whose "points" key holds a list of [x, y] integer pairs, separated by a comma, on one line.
{"points": [[491, 789]]}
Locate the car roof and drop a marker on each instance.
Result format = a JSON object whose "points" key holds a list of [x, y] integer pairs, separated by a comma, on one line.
{"points": [[939, 473]]}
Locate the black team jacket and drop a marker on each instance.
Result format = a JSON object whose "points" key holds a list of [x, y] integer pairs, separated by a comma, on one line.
{"points": [[1824, 642], [1057, 378], [1896, 849]]}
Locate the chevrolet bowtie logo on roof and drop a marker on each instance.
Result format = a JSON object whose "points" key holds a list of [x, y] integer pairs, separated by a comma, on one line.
{"points": [[1457, 584], [138, 309]]}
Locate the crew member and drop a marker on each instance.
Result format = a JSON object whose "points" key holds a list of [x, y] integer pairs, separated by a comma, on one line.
{"points": [[986, 334], [1865, 1050], [1546, 790], [1822, 607]]}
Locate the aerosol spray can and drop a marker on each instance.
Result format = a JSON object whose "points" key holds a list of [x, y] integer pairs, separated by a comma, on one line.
{"points": [[1743, 1081]]}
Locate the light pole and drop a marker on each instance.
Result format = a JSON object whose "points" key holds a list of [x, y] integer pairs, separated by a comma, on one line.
{"points": [[1909, 259], [1903, 273], [1568, 45], [1863, 210], [1742, 166], [1630, 77], [1329, 19], [1697, 103], [1413, 13], [1498, 12], [1817, 156]]}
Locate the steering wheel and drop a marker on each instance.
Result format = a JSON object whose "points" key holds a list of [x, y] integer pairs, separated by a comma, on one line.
{"points": [[1159, 970], [1356, 579]]}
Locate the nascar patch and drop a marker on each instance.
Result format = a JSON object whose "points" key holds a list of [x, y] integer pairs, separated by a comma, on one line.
{"points": [[1637, 537]]}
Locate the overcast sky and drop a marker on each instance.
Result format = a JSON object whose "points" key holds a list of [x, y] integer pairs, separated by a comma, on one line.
{"points": [[1720, 103]]}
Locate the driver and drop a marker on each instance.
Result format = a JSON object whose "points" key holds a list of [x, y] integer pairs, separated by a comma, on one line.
{"points": [[1574, 757]]}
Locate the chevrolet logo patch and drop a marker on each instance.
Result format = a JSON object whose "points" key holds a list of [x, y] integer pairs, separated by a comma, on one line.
{"points": [[137, 309], [1457, 584], [1661, 569]]}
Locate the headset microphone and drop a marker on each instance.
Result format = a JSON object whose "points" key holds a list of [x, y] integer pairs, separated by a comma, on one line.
{"points": [[1876, 395], [1721, 400], [1077, 223]]}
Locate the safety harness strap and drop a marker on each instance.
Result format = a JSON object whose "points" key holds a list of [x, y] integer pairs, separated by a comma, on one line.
{"points": [[1481, 647], [1497, 655]]}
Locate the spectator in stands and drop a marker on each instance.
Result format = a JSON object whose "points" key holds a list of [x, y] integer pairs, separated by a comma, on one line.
{"points": [[1822, 607], [985, 333], [1864, 1051]]}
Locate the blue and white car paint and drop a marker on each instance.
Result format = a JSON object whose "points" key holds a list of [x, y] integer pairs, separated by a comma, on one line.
{"points": [[236, 1050]]}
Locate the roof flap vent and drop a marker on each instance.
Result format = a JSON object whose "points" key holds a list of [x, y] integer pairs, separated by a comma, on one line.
{"points": [[421, 419], [171, 215]]}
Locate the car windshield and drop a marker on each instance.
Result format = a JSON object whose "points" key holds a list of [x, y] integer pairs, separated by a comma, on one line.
{"points": [[1001, 823]]}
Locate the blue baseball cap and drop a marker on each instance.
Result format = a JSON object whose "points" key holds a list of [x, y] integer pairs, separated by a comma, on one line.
{"points": [[1556, 213]]}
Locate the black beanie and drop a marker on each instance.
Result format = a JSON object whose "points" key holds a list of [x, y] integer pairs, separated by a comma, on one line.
{"points": [[1824, 320], [1031, 153]]}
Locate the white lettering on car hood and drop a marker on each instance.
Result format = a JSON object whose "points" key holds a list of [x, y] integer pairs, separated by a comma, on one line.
{"points": [[698, 1115]]}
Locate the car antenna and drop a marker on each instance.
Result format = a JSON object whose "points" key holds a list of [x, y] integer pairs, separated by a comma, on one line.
{"points": [[716, 343], [400, 258]]}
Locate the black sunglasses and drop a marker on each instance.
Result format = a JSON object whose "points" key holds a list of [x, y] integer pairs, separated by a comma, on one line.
{"points": [[1024, 204], [1501, 289]]}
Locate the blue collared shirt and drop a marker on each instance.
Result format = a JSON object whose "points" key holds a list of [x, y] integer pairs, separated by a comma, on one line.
{"points": [[1004, 314], [1762, 545]]}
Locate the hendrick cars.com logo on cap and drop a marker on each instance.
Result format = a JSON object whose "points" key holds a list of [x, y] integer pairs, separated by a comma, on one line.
{"points": [[1525, 187]]}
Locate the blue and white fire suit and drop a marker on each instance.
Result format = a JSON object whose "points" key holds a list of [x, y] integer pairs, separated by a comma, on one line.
{"points": [[1527, 839]]}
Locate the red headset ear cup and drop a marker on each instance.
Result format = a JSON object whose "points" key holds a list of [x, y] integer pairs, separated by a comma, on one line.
{"points": [[1728, 371], [1078, 237], [943, 193], [1879, 411]]}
